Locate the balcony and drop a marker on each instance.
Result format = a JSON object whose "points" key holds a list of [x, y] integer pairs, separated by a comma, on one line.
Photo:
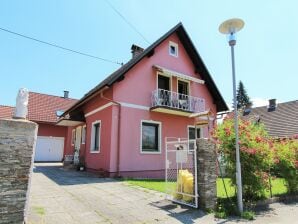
{"points": [[175, 103]]}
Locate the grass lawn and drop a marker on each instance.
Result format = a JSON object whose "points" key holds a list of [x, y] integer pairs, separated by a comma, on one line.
{"points": [[278, 186]]}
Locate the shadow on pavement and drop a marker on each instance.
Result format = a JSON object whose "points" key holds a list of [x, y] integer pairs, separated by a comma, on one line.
{"points": [[182, 213], [62, 176]]}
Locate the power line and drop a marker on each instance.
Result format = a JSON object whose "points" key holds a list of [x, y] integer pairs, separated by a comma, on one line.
{"points": [[60, 47], [132, 26]]}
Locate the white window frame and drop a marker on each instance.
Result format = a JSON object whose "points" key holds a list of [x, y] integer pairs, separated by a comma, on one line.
{"points": [[73, 136], [165, 75], [175, 45], [195, 127], [83, 135], [159, 136], [92, 150], [186, 81]]}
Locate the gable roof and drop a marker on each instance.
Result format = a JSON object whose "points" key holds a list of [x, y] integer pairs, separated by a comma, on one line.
{"points": [[41, 107], [194, 56], [6, 111], [280, 122]]}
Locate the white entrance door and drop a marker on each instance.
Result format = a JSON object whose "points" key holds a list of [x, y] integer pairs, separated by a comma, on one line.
{"points": [[49, 149]]}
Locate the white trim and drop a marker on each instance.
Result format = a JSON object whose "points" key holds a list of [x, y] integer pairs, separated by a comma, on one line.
{"points": [[159, 136], [165, 75], [195, 127], [99, 109], [44, 136], [178, 74], [73, 136], [92, 137], [83, 141], [135, 106], [175, 45], [78, 141], [186, 81], [201, 130]]}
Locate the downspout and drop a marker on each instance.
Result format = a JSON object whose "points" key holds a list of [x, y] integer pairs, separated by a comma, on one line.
{"points": [[118, 133]]}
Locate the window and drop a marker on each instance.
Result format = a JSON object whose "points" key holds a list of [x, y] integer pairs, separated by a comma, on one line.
{"points": [[193, 134], [163, 82], [73, 136], [95, 136], [150, 137], [173, 49], [84, 134], [183, 87]]}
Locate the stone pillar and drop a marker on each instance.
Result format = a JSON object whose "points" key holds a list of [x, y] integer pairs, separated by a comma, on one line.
{"points": [[206, 154], [17, 144]]}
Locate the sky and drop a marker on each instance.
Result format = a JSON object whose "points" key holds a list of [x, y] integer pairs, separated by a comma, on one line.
{"points": [[266, 50]]}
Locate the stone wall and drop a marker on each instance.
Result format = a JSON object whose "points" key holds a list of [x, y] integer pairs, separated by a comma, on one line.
{"points": [[17, 143], [206, 154]]}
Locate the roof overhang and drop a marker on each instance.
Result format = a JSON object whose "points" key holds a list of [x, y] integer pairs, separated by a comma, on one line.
{"points": [[68, 122], [177, 74]]}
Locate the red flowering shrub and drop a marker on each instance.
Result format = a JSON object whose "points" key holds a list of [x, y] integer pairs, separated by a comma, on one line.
{"points": [[255, 154], [286, 162]]}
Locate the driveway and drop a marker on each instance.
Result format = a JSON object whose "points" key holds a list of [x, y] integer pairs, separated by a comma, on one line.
{"points": [[64, 196]]}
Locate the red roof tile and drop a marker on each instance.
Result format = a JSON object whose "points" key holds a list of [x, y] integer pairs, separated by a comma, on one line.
{"points": [[6, 111], [41, 107]]}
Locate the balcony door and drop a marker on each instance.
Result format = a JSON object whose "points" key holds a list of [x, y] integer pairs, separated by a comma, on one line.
{"points": [[164, 94], [183, 87], [163, 82], [183, 92]]}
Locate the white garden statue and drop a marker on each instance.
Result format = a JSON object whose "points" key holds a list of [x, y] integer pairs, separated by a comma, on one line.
{"points": [[21, 108]]}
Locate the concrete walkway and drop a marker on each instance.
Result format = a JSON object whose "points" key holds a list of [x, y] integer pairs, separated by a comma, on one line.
{"points": [[63, 196]]}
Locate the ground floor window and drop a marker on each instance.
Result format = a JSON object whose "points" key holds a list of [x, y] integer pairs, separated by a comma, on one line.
{"points": [[95, 136], [150, 136], [193, 133]]}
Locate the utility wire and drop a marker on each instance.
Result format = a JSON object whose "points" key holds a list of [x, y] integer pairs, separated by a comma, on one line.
{"points": [[132, 26], [60, 47]]}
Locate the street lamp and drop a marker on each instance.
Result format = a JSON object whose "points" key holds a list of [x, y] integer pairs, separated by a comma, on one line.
{"points": [[230, 27]]}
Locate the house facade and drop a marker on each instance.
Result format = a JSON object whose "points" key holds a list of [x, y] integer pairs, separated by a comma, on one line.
{"points": [[44, 110], [121, 125]]}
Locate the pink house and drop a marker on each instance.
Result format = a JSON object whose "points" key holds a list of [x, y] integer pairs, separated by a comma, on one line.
{"points": [[120, 126]]}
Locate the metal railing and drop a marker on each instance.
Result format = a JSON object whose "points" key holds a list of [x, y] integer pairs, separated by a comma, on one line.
{"points": [[166, 98]]}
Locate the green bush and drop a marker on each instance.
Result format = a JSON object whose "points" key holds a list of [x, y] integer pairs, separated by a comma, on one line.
{"points": [[286, 162]]}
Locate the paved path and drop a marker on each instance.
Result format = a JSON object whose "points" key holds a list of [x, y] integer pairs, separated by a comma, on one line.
{"points": [[63, 196]]}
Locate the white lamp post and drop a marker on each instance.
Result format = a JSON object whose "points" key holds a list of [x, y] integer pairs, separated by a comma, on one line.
{"points": [[230, 27]]}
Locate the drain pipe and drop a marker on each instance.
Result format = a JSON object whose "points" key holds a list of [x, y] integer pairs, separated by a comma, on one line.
{"points": [[118, 133]]}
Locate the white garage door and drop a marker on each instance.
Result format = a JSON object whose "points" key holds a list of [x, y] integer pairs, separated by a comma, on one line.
{"points": [[49, 149]]}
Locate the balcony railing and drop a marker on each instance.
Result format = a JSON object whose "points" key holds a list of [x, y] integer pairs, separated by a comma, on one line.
{"points": [[169, 99]]}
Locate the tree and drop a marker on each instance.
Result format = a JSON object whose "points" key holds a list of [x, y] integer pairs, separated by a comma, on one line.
{"points": [[242, 97]]}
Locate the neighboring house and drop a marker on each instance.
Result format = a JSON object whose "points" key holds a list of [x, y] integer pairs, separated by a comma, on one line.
{"points": [[123, 121], [280, 120], [43, 110]]}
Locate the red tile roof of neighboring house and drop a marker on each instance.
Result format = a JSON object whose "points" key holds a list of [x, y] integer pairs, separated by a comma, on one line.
{"points": [[6, 111], [41, 107]]}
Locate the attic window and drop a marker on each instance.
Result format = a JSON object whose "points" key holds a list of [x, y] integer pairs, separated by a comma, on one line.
{"points": [[173, 49]]}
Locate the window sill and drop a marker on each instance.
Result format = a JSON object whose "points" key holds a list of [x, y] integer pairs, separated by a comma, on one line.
{"points": [[95, 152], [150, 153]]}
